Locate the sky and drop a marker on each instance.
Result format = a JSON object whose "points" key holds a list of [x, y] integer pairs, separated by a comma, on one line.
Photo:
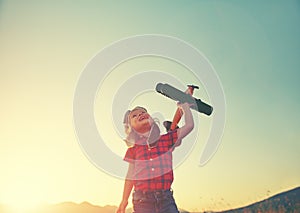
{"points": [[253, 46]]}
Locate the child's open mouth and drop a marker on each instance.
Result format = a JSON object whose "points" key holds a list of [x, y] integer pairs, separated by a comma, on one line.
{"points": [[143, 117]]}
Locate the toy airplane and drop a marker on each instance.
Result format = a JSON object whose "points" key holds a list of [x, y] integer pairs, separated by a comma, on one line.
{"points": [[182, 97]]}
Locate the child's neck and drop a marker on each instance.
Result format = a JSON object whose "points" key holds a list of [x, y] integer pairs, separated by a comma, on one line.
{"points": [[145, 134]]}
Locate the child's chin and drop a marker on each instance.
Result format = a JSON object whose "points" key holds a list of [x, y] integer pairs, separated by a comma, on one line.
{"points": [[144, 121]]}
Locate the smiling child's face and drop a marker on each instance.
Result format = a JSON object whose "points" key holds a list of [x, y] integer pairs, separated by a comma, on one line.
{"points": [[140, 120]]}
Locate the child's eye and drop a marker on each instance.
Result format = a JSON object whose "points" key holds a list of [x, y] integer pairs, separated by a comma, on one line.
{"points": [[133, 116]]}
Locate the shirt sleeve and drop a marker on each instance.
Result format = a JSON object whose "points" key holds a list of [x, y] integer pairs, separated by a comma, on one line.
{"points": [[130, 155]]}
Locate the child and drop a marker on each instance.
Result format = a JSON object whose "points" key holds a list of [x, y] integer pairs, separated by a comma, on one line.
{"points": [[150, 162]]}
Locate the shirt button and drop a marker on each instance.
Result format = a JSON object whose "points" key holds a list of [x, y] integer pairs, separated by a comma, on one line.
{"points": [[151, 159], [152, 169]]}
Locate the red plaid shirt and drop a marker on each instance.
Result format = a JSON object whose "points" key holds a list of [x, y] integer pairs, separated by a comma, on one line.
{"points": [[153, 168]]}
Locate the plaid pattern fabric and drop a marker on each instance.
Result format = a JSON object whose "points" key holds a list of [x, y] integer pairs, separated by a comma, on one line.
{"points": [[153, 166]]}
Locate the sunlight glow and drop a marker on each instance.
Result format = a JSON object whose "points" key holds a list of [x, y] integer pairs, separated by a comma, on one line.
{"points": [[21, 197]]}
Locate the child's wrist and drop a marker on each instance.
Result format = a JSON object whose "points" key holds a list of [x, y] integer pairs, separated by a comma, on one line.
{"points": [[185, 106]]}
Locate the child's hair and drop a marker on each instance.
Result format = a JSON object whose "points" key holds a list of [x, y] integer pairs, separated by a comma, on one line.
{"points": [[133, 136]]}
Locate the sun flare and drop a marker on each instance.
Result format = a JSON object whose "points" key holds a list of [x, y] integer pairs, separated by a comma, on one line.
{"points": [[22, 198]]}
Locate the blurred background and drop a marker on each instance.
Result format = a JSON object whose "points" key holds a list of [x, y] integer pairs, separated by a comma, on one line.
{"points": [[254, 47]]}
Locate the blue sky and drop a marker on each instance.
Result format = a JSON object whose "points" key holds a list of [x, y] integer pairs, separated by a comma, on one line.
{"points": [[254, 47]]}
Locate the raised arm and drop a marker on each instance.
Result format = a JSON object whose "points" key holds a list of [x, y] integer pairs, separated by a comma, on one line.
{"points": [[128, 185], [188, 122]]}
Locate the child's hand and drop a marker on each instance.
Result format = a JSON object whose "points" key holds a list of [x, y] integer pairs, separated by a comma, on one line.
{"points": [[122, 207], [184, 106]]}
